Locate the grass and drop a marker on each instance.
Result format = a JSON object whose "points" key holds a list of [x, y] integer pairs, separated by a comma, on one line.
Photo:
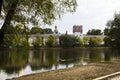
{"points": [[87, 72]]}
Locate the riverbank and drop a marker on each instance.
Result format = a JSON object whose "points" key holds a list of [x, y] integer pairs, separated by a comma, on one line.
{"points": [[87, 72], [53, 48]]}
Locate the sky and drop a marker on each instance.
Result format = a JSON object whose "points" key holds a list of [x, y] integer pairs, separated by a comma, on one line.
{"points": [[92, 14]]}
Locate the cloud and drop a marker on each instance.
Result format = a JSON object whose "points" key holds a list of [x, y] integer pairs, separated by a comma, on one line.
{"points": [[90, 13]]}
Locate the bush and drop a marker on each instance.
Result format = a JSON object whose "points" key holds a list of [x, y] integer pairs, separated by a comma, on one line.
{"points": [[79, 41], [85, 40], [36, 30], [20, 42], [8, 40], [37, 42], [70, 41], [50, 42], [15, 41], [95, 42], [107, 42]]}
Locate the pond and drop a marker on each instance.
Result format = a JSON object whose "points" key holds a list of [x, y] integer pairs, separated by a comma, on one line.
{"points": [[15, 63]]}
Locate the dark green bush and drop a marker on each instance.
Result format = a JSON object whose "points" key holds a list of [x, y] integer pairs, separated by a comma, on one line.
{"points": [[37, 42], [50, 42], [95, 42], [70, 41], [16, 41]]}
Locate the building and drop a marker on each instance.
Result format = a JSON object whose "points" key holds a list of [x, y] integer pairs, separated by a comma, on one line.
{"points": [[78, 31], [56, 30]]}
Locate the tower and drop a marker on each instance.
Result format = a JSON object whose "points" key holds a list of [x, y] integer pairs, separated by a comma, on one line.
{"points": [[56, 31], [77, 30]]}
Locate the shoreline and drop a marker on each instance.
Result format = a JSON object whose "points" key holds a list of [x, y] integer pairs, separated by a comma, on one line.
{"points": [[87, 72], [52, 48]]}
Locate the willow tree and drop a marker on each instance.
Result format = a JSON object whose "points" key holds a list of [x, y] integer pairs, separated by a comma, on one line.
{"points": [[33, 11]]}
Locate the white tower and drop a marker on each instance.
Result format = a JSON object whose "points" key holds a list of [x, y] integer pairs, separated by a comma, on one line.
{"points": [[56, 31]]}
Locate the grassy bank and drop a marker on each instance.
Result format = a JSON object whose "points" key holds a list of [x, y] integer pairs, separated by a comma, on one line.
{"points": [[88, 72]]}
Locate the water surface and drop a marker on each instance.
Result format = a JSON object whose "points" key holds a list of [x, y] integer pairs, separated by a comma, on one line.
{"points": [[15, 63]]}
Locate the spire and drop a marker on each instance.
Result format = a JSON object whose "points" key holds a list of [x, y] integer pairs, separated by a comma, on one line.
{"points": [[56, 31]]}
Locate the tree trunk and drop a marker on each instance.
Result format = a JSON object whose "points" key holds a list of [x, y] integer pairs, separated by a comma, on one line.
{"points": [[7, 21], [1, 3]]}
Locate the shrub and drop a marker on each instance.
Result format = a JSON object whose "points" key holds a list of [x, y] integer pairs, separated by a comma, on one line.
{"points": [[70, 41], [36, 30], [19, 42], [85, 40], [50, 42], [79, 41], [16, 41], [37, 42], [95, 42], [8, 40]]}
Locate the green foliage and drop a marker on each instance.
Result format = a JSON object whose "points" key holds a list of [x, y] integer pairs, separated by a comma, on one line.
{"points": [[29, 11], [37, 42], [70, 41], [21, 29], [107, 42], [114, 31], [79, 41], [10, 29], [8, 40], [39, 10], [66, 41], [95, 42], [106, 31], [20, 42], [91, 42], [36, 30], [85, 40], [15, 41], [94, 32], [50, 42], [47, 31]]}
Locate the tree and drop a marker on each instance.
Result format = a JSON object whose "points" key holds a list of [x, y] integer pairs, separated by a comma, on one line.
{"points": [[8, 17], [15, 41], [94, 32], [107, 42], [16, 36], [1, 2], [85, 40], [47, 31], [95, 42], [50, 41], [69, 41], [106, 31], [91, 42], [10, 30], [79, 42], [37, 42], [37, 11], [114, 31], [36, 30], [21, 29], [66, 41]]}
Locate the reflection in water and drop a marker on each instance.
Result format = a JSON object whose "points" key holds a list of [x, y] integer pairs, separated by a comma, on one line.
{"points": [[22, 62]]}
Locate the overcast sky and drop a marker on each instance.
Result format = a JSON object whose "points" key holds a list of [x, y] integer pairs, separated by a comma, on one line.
{"points": [[90, 13]]}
